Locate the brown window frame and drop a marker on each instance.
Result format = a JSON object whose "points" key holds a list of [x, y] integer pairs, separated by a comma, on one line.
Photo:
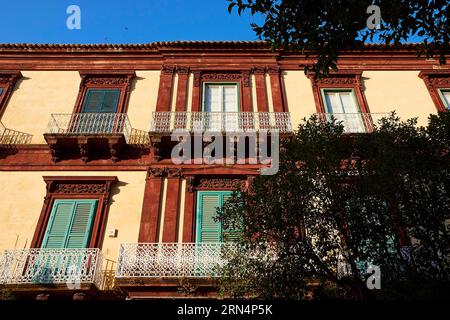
{"points": [[8, 80], [436, 80], [121, 80], [89, 188]]}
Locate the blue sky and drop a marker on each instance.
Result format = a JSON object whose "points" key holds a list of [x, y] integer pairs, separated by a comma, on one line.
{"points": [[120, 21]]}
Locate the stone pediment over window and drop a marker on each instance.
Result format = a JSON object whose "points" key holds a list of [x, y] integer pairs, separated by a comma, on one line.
{"points": [[436, 81]]}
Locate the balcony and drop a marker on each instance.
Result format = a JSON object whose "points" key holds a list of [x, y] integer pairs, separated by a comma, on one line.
{"points": [[92, 135], [64, 269], [355, 122], [9, 137], [167, 265], [166, 122]]}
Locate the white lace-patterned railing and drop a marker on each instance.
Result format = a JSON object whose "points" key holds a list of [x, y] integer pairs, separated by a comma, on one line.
{"points": [[151, 260], [355, 122], [52, 266], [13, 137], [222, 121], [90, 123]]}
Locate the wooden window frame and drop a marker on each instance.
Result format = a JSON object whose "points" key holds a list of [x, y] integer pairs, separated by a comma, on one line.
{"points": [[8, 80], [121, 80], [435, 81], [89, 188]]}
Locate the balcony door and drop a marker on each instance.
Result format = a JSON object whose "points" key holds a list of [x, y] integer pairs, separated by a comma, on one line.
{"points": [[98, 114], [445, 95], [69, 227], [343, 106], [221, 107]]}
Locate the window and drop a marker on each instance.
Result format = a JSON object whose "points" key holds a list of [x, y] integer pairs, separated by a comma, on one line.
{"points": [[208, 230], [70, 224], [342, 104], [220, 99], [1, 91], [445, 96], [101, 101], [8, 80]]}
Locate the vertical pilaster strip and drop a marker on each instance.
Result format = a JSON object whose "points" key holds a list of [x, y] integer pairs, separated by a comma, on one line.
{"points": [[246, 92], [171, 211], [261, 93], [151, 206], [165, 88], [196, 91], [183, 73], [277, 89], [188, 227]]}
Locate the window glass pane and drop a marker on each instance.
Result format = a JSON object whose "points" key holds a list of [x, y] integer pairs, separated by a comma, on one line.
{"points": [[212, 97], [446, 96], [230, 98], [101, 101], [1, 91]]}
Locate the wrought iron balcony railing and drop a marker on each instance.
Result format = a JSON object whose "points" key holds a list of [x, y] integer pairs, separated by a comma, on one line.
{"points": [[51, 266], [222, 121], [355, 122], [13, 137], [90, 124], [154, 260]]}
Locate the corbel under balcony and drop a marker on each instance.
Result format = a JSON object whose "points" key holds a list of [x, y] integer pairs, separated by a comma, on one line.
{"points": [[89, 135]]}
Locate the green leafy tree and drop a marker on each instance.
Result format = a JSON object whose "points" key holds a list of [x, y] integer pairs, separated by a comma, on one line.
{"points": [[339, 204], [324, 28]]}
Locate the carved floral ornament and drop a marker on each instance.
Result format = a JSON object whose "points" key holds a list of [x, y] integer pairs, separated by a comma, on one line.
{"points": [[79, 185], [108, 79]]}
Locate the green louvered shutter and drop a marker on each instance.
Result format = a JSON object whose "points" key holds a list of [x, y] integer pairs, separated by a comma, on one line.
{"points": [[228, 234], [55, 235], [207, 229], [70, 224], [80, 228], [101, 101]]}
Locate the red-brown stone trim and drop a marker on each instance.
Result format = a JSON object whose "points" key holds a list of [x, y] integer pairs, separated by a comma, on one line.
{"points": [[106, 80], [183, 75], [95, 187], [261, 90], [434, 81], [8, 81], [165, 88]]}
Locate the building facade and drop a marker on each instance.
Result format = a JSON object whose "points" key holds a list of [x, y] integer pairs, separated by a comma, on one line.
{"points": [[90, 198]]}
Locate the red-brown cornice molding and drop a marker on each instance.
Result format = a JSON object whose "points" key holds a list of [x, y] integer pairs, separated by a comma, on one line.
{"points": [[8, 81], [72, 187], [434, 81]]}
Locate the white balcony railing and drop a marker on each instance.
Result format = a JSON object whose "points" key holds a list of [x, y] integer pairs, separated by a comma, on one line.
{"points": [[154, 260], [51, 266], [90, 123], [13, 137], [222, 121], [355, 122]]}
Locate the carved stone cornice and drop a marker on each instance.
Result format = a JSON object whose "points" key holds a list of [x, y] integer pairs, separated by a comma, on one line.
{"points": [[155, 172], [259, 70], [197, 78], [167, 69], [220, 183], [173, 172], [273, 70], [190, 184], [79, 185], [221, 76], [182, 70], [246, 78]]}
